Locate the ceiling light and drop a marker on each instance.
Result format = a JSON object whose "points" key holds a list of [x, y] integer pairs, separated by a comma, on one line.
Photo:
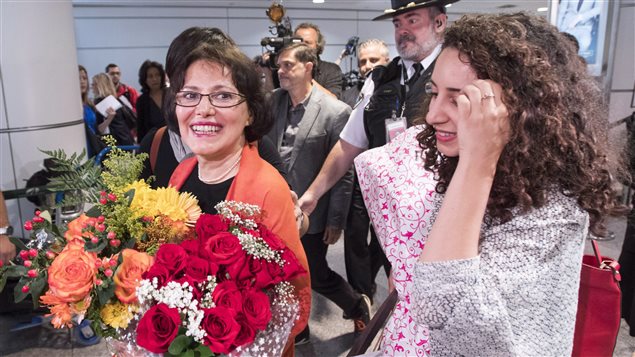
{"points": [[318, 1], [542, 9], [448, 5]]}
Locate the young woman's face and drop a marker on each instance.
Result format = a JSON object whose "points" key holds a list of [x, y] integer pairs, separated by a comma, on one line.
{"points": [[449, 77], [153, 78], [83, 82], [211, 132]]}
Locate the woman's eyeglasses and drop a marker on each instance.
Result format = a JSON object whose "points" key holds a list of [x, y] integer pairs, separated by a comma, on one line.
{"points": [[217, 99]]}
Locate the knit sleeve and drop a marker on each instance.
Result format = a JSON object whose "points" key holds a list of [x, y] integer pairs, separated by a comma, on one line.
{"points": [[517, 297]]}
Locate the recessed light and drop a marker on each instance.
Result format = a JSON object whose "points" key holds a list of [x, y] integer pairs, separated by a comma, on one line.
{"points": [[318, 1], [542, 9]]}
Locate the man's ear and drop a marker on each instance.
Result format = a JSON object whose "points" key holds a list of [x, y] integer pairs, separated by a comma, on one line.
{"points": [[440, 23], [309, 67]]}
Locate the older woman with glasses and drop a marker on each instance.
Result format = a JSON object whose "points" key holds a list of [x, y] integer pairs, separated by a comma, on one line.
{"points": [[217, 103]]}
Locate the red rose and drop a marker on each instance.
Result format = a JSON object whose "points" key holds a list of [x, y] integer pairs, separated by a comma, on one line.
{"points": [[160, 272], [256, 307], [271, 238], [292, 267], [174, 258], [224, 248], [158, 328], [191, 246], [247, 333], [263, 276], [239, 269], [221, 327], [208, 225], [226, 294], [199, 269]]}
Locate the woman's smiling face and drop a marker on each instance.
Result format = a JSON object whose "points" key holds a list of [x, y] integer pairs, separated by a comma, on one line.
{"points": [[212, 133], [449, 77]]}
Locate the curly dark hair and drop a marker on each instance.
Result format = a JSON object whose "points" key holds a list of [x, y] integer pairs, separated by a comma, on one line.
{"points": [[143, 74], [212, 45], [554, 109]]}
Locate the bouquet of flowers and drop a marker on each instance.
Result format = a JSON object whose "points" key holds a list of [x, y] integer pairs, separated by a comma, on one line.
{"points": [[225, 291], [90, 267]]}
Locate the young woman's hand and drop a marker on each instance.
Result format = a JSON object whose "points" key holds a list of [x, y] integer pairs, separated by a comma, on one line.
{"points": [[483, 129]]}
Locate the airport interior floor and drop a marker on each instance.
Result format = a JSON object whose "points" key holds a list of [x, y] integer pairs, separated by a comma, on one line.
{"points": [[330, 334]]}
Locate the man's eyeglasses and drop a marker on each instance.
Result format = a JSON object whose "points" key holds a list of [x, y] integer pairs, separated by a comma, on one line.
{"points": [[217, 99]]}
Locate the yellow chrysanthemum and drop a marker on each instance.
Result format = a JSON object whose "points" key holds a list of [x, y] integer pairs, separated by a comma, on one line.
{"points": [[177, 206], [117, 315], [143, 203]]}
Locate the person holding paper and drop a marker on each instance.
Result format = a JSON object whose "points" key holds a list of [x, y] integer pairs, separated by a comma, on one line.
{"points": [[125, 93], [111, 118]]}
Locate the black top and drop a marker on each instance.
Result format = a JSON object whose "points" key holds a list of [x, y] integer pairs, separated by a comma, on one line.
{"points": [[166, 161], [208, 195], [118, 127], [329, 75], [149, 116]]}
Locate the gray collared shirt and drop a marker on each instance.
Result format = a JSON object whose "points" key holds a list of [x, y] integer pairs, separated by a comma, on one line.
{"points": [[294, 116]]}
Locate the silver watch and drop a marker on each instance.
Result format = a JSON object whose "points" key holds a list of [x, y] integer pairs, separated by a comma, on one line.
{"points": [[6, 231]]}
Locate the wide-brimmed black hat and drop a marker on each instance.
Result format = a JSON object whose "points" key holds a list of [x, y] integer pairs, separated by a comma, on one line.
{"points": [[401, 6]]}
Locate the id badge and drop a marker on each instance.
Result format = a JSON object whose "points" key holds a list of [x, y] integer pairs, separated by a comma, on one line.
{"points": [[394, 127]]}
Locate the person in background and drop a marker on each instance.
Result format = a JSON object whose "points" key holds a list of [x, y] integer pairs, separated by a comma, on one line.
{"points": [[114, 123], [217, 102], [328, 75], [307, 123], [370, 53], [522, 180], [149, 104], [122, 89], [7, 249], [93, 143]]}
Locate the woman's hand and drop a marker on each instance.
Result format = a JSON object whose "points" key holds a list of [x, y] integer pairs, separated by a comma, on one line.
{"points": [[110, 115], [483, 128]]}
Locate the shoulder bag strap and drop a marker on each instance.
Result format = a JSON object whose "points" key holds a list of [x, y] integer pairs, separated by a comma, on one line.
{"points": [[377, 323], [154, 148]]}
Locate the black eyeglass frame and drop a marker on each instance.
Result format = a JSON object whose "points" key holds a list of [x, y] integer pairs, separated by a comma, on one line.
{"points": [[209, 97]]}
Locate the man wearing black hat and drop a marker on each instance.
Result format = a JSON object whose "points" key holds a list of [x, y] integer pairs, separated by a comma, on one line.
{"points": [[389, 102]]}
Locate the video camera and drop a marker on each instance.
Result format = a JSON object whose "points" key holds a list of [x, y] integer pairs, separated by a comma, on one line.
{"points": [[283, 34]]}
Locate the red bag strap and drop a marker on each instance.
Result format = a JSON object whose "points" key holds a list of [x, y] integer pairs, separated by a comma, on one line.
{"points": [[154, 148], [603, 263], [182, 172]]}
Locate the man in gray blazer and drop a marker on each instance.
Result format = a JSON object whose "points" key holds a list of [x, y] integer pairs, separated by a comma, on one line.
{"points": [[307, 123]]}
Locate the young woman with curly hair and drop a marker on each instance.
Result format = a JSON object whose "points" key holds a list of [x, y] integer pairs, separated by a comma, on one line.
{"points": [[510, 138]]}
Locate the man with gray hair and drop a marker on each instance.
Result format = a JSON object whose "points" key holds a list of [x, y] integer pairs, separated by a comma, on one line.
{"points": [[370, 53]]}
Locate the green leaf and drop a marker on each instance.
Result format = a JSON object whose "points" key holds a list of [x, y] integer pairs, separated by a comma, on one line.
{"points": [[56, 230], [204, 351], [92, 247], [47, 216], [37, 288], [94, 212], [130, 243], [15, 271], [19, 245], [18, 295], [187, 353], [105, 294], [3, 281], [179, 345]]}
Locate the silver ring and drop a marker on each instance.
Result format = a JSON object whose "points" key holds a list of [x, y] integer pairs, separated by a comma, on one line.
{"points": [[486, 96]]}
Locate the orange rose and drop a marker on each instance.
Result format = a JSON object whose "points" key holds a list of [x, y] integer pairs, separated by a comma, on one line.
{"points": [[129, 273], [75, 228], [72, 273]]}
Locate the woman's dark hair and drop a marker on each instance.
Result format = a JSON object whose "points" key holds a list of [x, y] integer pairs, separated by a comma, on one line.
{"points": [[554, 108], [212, 45], [143, 74]]}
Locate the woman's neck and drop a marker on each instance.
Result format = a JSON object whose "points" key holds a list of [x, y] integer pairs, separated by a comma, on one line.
{"points": [[212, 171]]}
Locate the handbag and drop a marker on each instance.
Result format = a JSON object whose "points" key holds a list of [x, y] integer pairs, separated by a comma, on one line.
{"points": [[598, 317], [376, 323]]}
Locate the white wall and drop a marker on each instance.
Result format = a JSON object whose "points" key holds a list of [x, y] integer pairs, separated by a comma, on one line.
{"points": [[128, 35]]}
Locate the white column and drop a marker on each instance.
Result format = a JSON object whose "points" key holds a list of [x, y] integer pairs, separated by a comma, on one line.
{"points": [[40, 105]]}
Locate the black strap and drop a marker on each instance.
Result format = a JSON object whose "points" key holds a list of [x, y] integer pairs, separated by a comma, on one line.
{"points": [[377, 323]]}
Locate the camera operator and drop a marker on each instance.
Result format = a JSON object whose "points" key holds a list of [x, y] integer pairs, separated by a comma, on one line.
{"points": [[328, 76], [370, 53]]}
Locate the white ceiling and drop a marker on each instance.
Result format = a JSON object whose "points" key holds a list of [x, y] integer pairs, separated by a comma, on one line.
{"points": [[462, 7]]}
